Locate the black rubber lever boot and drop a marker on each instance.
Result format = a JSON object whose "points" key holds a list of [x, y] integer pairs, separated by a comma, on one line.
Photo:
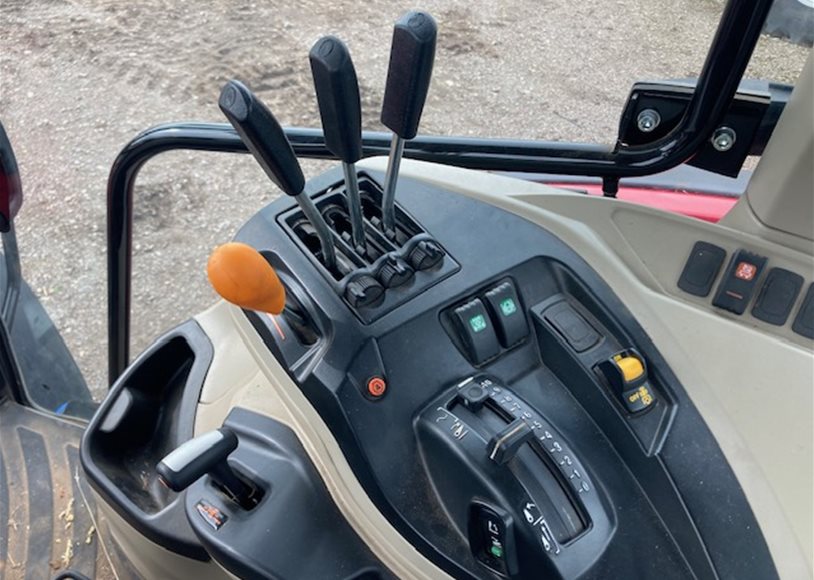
{"points": [[340, 108], [408, 77], [266, 140], [207, 454]]}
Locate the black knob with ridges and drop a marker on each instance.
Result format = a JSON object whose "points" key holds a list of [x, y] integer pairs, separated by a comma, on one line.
{"points": [[364, 290], [395, 272], [425, 255]]}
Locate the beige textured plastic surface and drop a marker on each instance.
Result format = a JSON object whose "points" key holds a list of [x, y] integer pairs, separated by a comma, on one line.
{"points": [[781, 191], [149, 559], [753, 387], [243, 373]]}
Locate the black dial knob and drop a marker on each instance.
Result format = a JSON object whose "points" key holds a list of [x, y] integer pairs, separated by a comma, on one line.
{"points": [[364, 290], [425, 255], [395, 272]]}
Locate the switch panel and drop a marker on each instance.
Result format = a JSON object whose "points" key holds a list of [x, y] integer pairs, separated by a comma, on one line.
{"points": [[491, 538], [739, 282], [701, 269], [508, 314], [477, 331], [777, 296]]}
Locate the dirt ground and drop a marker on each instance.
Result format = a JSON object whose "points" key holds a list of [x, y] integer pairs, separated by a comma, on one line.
{"points": [[79, 79]]}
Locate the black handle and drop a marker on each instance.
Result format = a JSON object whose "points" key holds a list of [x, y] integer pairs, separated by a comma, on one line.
{"points": [[11, 191], [408, 76], [338, 96], [263, 136], [195, 458]]}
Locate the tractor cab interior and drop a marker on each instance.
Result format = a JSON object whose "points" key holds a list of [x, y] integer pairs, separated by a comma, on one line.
{"points": [[429, 362]]}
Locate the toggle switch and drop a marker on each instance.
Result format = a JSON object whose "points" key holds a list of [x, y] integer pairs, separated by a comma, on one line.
{"points": [[626, 373]]}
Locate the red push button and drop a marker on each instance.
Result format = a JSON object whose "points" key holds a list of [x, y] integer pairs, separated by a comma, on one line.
{"points": [[376, 387]]}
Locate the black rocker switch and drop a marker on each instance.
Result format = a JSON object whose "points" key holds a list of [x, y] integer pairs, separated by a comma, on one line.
{"points": [[777, 296], [207, 454], [739, 281], [504, 445], [804, 321], [508, 314], [476, 330], [701, 269]]}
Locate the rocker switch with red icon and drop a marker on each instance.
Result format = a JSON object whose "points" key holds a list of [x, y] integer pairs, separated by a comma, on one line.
{"points": [[739, 282]]}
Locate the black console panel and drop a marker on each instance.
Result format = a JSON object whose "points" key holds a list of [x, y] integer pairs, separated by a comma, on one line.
{"points": [[509, 417]]}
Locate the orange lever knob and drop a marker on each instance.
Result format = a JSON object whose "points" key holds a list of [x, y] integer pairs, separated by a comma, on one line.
{"points": [[242, 276]]}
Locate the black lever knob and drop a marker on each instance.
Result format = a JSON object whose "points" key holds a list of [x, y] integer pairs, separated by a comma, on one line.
{"points": [[337, 91], [505, 444], [408, 77], [206, 454], [263, 136]]}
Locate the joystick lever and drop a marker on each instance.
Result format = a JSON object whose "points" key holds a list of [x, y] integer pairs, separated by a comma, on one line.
{"points": [[207, 454], [408, 81], [266, 140]]}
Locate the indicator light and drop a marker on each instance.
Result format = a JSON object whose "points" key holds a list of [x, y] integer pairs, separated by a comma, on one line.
{"points": [[508, 307], [478, 323]]}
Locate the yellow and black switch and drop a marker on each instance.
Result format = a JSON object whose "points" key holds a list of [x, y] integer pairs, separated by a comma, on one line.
{"points": [[626, 373]]}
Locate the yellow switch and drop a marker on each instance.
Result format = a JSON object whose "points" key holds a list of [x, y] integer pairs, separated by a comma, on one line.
{"points": [[631, 367], [242, 276]]}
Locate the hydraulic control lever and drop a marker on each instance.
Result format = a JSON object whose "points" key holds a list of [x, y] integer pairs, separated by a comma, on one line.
{"points": [[408, 80], [264, 137], [340, 108], [207, 454]]}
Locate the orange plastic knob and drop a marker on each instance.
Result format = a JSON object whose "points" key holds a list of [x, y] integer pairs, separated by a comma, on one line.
{"points": [[243, 277]]}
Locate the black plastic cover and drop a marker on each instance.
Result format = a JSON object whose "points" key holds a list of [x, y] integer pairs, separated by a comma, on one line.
{"points": [[777, 296], [337, 91], [804, 321], [701, 269], [263, 136], [572, 326], [408, 77], [739, 282]]}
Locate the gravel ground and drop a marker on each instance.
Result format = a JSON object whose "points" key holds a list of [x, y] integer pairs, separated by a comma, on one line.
{"points": [[79, 79]]}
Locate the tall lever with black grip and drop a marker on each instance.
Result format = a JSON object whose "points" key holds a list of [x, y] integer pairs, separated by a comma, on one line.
{"points": [[340, 108], [408, 79], [266, 140]]}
